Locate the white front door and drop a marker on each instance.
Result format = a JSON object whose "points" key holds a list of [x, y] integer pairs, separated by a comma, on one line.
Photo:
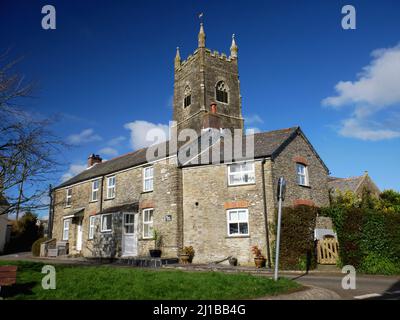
{"points": [[129, 235], [79, 236]]}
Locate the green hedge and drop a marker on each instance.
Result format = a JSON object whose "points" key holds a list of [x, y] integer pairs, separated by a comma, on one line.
{"points": [[369, 237], [297, 238]]}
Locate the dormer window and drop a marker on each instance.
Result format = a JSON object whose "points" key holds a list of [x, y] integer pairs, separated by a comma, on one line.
{"points": [[221, 92], [188, 97]]}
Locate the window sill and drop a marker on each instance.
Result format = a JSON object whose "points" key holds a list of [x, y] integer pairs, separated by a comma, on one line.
{"points": [[67, 207], [147, 239], [242, 184], [304, 186], [238, 237], [93, 201], [106, 231], [109, 199], [149, 191]]}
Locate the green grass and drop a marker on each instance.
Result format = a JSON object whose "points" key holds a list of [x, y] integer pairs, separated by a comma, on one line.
{"points": [[105, 282]]}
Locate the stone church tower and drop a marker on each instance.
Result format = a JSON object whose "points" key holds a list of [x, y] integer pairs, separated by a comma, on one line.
{"points": [[207, 89]]}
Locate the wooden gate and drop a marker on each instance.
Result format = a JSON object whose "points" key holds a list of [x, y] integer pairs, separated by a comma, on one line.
{"points": [[327, 251]]}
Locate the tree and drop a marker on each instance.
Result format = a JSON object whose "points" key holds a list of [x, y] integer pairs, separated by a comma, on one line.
{"points": [[28, 148]]}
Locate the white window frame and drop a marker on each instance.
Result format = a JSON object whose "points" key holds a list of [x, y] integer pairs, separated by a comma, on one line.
{"points": [[151, 178], [242, 173], [92, 226], [148, 223], [102, 222], [111, 187], [95, 191], [303, 175], [238, 221], [65, 236], [68, 197]]}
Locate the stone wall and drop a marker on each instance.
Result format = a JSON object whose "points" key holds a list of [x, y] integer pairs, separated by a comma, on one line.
{"points": [[284, 165], [129, 188], [206, 197]]}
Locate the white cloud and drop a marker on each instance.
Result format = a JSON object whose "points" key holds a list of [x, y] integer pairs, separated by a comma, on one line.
{"points": [[356, 128], [253, 119], [144, 133], [73, 170], [116, 141], [108, 151], [376, 90], [85, 136]]}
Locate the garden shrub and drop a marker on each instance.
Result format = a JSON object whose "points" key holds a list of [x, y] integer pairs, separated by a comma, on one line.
{"points": [[297, 238]]}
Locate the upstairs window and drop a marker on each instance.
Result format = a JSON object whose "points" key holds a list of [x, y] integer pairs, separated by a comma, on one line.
{"points": [[95, 190], [188, 97], [221, 92], [241, 173], [68, 199], [302, 174], [148, 179], [111, 187]]}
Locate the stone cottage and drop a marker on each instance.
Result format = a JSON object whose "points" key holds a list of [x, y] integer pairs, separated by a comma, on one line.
{"points": [[221, 208]]}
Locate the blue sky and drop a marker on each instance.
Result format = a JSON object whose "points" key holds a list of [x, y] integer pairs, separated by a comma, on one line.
{"points": [[110, 64]]}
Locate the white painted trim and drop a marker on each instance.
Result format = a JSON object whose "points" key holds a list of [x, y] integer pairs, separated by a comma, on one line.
{"points": [[229, 174], [101, 222], [146, 179], [147, 223], [238, 222]]}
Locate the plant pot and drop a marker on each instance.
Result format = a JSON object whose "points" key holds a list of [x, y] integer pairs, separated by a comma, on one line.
{"points": [[260, 262], [155, 253], [233, 261], [184, 258]]}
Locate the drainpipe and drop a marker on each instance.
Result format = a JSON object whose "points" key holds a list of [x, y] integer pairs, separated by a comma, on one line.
{"points": [[265, 213], [51, 214], [101, 194]]}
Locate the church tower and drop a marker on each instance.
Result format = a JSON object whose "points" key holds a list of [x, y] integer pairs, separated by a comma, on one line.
{"points": [[207, 89]]}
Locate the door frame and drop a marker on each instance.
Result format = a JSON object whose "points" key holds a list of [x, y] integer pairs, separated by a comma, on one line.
{"points": [[79, 235], [134, 234]]}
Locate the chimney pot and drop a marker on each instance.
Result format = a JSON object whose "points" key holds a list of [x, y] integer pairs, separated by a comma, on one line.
{"points": [[93, 159], [213, 107]]}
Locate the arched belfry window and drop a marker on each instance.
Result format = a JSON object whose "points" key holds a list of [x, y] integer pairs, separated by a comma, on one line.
{"points": [[221, 92], [188, 97]]}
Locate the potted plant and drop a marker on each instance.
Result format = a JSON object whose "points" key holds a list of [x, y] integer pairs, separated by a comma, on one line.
{"points": [[233, 261], [156, 252], [186, 255], [259, 258]]}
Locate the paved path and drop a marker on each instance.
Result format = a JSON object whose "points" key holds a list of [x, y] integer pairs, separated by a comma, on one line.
{"points": [[367, 287]]}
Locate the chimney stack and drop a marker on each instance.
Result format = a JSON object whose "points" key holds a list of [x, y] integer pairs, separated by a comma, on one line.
{"points": [[94, 159]]}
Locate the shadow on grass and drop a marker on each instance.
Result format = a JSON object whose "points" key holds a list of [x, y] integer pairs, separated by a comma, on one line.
{"points": [[10, 292]]}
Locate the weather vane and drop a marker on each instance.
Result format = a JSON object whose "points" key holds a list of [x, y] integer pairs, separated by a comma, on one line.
{"points": [[201, 17]]}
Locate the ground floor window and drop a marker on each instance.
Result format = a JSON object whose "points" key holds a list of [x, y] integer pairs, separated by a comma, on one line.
{"points": [[238, 222], [148, 223], [92, 221], [66, 224], [106, 222]]}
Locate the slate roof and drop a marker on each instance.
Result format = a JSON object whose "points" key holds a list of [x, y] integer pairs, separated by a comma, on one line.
{"points": [[345, 184], [266, 144]]}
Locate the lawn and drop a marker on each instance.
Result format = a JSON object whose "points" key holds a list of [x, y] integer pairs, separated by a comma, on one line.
{"points": [[106, 282]]}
